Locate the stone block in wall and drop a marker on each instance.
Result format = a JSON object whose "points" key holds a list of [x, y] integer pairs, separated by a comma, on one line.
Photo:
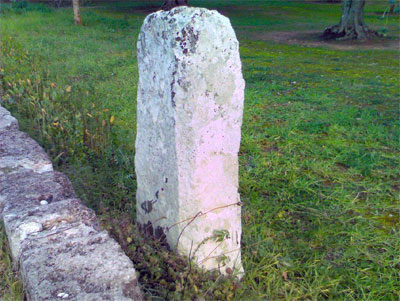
{"points": [[22, 224], [57, 243], [7, 122], [189, 116], [80, 263], [25, 190], [19, 152]]}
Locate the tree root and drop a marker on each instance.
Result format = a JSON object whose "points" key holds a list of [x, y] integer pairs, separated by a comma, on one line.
{"points": [[350, 33]]}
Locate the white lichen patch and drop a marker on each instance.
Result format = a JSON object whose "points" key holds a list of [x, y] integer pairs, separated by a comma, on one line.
{"points": [[13, 164], [22, 233], [29, 228]]}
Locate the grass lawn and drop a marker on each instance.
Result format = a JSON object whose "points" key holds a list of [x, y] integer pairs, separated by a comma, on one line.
{"points": [[319, 160]]}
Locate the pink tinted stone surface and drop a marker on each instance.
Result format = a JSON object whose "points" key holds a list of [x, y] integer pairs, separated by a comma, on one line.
{"points": [[190, 108]]}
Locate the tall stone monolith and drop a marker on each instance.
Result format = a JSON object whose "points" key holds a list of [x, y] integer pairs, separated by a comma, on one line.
{"points": [[189, 115]]}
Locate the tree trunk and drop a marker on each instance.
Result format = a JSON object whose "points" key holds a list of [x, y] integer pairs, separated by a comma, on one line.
{"points": [[170, 4], [77, 12], [352, 25]]}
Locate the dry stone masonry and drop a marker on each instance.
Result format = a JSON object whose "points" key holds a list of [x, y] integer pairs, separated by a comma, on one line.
{"points": [[55, 241], [190, 107]]}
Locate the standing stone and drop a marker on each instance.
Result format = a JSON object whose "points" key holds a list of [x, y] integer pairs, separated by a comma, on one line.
{"points": [[190, 108]]}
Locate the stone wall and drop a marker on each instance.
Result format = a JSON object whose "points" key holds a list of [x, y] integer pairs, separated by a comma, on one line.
{"points": [[56, 242]]}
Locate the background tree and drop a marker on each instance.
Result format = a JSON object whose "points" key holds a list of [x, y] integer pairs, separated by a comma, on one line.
{"points": [[393, 6], [352, 25], [77, 12], [170, 4]]}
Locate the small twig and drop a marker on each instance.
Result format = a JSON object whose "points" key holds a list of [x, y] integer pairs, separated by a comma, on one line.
{"points": [[201, 243], [356, 197], [235, 250], [190, 260], [231, 251], [204, 259], [221, 207], [180, 234], [26, 242], [235, 262], [212, 286]]}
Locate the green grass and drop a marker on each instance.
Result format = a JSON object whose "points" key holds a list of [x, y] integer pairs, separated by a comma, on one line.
{"points": [[10, 285], [319, 175]]}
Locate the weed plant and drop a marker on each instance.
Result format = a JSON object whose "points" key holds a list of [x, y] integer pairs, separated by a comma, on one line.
{"points": [[319, 177], [10, 286]]}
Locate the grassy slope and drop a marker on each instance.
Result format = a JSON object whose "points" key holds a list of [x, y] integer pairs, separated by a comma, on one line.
{"points": [[320, 150]]}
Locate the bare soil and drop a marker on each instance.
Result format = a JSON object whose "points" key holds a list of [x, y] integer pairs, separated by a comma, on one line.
{"points": [[315, 39]]}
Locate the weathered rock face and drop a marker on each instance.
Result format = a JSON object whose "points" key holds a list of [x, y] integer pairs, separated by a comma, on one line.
{"points": [[7, 122], [26, 189], [55, 241], [19, 152], [78, 261], [22, 195], [190, 106]]}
